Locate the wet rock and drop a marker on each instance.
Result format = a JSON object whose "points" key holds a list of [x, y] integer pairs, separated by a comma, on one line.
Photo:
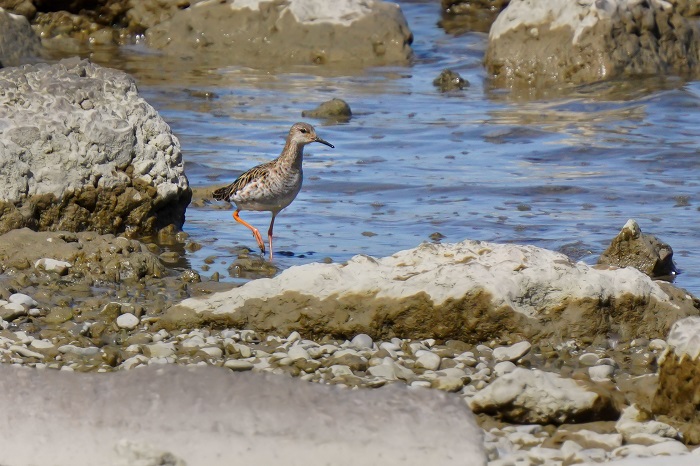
{"points": [[17, 39], [350, 34], [470, 291], [593, 40], [334, 109], [646, 253], [127, 321], [81, 150], [460, 16], [534, 396], [450, 81]]}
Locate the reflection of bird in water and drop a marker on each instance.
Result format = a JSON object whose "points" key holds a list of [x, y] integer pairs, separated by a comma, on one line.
{"points": [[271, 186]]}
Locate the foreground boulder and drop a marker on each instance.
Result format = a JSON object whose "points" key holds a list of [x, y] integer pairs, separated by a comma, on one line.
{"points": [[351, 33], [535, 43], [678, 393], [471, 291], [17, 39], [81, 150], [208, 416]]}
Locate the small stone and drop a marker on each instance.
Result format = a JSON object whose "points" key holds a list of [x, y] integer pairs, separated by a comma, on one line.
{"points": [[53, 265], [58, 315], [450, 81], [78, 350], [588, 359], [41, 344], [601, 373], [298, 352], [428, 360], [213, 352], [23, 299], [447, 384], [26, 352], [238, 365], [195, 341], [503, 367], [11, 311], [127, 321], [159, 350], [657, 344], [511, 353], [362, 341], [336, 109], [339, 370]]}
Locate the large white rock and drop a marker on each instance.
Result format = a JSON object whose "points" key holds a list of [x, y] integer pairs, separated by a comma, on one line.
{"points": [[533, 396], [210, 416], [471, 291], [678, 392], [84, 151]]}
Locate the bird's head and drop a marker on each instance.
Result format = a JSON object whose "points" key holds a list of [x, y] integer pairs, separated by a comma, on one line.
{"points": [[304, 133]]}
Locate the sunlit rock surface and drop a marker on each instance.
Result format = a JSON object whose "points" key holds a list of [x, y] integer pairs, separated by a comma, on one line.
{"points": [[470, 291]]}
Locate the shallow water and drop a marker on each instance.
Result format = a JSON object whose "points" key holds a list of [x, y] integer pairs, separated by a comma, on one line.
{"points": [[563, 171]]}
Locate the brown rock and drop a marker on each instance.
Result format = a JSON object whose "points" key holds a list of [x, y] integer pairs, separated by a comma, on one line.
{"points": [[646, 253]]}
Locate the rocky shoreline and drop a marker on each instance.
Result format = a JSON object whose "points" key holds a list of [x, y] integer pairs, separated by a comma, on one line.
{"points": [[67, 306]]}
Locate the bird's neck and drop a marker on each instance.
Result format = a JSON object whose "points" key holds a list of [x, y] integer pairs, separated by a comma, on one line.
{"points": [[292, 155]]}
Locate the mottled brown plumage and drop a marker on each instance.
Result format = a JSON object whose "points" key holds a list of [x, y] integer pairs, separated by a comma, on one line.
{"points": [[273, 185]]}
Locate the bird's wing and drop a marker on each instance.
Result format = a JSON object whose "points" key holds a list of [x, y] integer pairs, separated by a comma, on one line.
{"points": [[259, 172]]}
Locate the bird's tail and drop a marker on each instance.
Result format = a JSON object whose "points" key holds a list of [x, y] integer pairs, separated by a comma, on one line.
{"points": [[221, 194]]}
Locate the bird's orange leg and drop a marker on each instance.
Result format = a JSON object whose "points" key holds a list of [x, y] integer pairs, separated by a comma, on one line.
{"points": [[269, 233], [255, 231]]}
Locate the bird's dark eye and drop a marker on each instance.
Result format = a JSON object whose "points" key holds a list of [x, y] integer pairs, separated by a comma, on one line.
{"points": [[303, 130]]}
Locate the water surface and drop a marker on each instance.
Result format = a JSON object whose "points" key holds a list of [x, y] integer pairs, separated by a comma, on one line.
{"points": [[562, 170]]}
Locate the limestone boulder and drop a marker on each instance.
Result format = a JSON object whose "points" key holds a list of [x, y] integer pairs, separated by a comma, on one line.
{"points": [[17, 39], [536, 397], [208, 416], [538, 44], [646, 253], [80, 149], [470, 291], [272, 33]]}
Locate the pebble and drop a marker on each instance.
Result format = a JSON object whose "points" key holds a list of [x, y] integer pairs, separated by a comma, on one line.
{"points": [[41, 344], [601, 373], [127, 321], [588, 359], [503, 367], [26, 352], [159, 349], [79, 350], [238, 365], [362, 340], [427, 360], [511, 353], [53, 265], [213, 352], [298, 352], [447, 384], [23, 299]]}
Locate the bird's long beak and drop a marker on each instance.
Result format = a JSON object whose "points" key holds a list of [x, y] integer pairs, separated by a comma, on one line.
{"points": [[322, 141]]}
